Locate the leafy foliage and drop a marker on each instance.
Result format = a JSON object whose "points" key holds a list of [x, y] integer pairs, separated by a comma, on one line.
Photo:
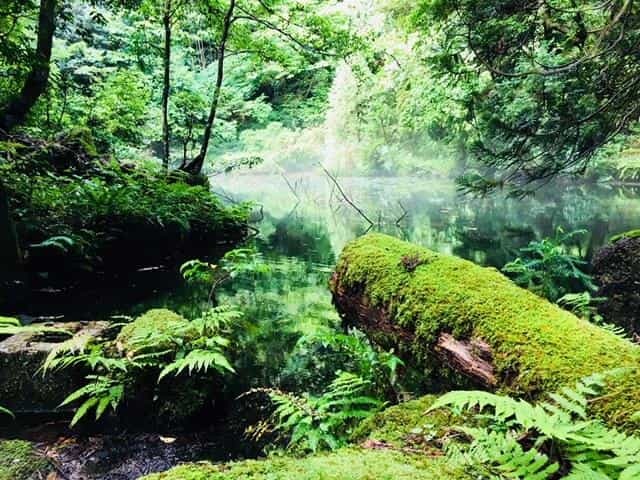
{"points": [[314, 423], [5, 411], [100, 394], [522, 440], [79, 217], [545, 83], [312, 363], [548, 268]]}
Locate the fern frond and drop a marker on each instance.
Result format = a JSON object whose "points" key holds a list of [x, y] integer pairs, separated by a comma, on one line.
{"points": [[6, 411], [505, 456], [198, 361], [100, 393], [69, 348]]}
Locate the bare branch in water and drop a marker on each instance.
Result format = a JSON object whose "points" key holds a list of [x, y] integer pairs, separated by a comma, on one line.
{"points": [[345, 196]]}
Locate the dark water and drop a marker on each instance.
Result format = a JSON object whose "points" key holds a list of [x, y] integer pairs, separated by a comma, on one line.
{"points": [[304, 223]]}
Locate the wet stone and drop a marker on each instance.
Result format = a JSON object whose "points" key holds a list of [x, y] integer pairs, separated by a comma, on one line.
{"points": [[23, 388]]}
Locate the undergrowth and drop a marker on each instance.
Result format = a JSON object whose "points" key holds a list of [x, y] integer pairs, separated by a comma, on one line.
{"points": [[550, 269], [319, 422], [159, 341], [85, 211], [514, 439]]}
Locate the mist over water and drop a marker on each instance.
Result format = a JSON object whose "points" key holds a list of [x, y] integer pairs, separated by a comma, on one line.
{"points": [[431, 212]]}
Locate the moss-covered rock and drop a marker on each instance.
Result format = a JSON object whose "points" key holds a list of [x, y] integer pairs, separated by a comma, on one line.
{"points": [[159, 321], [536, 347], [348, 464], [23, 387], [19, 460], [406, 424]]}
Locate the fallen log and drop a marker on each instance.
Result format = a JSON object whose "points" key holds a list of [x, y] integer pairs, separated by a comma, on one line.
{"points": [[444, 313]]}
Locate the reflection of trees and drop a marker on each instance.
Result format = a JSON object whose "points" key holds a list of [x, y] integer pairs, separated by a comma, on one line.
{"points": [[301, 237], [491, 230]]}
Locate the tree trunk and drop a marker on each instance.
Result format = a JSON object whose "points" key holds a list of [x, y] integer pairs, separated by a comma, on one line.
{"points": [[166, 140], [10, 255], [444, 314], [18, 108], [195, 166]]}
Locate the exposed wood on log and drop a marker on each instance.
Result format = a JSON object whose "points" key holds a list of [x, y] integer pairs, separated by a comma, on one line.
{"points": [[472, 358]]}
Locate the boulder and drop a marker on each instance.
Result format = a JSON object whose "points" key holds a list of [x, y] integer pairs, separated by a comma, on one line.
{"points": [[616, 268], [23, 388]]}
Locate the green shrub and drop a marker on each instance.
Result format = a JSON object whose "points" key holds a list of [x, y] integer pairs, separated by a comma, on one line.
{"points": [[319, 422], [82, 218], [548, 268]]}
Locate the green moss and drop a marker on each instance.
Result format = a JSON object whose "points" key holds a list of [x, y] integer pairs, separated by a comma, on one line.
{"points": [[622, 236], [348, 464], [537, 346], [20, 461], [158, 321], [398, 425]]}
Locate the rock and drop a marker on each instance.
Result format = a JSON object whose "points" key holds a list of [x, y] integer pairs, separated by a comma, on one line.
{"points": [[616, 268], [23, 388]]}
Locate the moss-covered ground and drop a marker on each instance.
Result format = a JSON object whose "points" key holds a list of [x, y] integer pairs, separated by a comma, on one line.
{"points": [[348, 464], [20, 461], [395, 445], [537, 346]]}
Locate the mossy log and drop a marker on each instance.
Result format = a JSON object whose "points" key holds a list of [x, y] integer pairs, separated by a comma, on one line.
{"points": [[444, 313]]}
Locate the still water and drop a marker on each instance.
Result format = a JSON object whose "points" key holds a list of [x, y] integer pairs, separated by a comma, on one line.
{"points": [[306, 217], [302, 223]]}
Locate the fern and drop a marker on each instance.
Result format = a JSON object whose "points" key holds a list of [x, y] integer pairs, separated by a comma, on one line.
{"points": [[198, 361], [100, 394], [6, 411], [549, 268], [325, 421], [500, 454], [592, 449], [77, 350], [60, 242], [184, 347]]}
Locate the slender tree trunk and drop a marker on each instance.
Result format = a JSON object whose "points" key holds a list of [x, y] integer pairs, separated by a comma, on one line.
{"points": [[195, 166], [18, 108], [10, 255], [166, 140]]}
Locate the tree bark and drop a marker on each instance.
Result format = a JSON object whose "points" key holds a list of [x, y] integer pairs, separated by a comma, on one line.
{"points": [[195, 166], [166, 134], [443, 314], [16, 111]]}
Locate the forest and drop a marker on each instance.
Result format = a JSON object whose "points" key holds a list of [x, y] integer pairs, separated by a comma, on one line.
{"points": [[319, 240]]}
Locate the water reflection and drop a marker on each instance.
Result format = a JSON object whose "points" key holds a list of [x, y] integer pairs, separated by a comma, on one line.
{"points": [[314, 222]]}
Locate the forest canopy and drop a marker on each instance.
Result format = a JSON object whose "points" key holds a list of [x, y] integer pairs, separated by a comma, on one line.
{"points": [[505, 94]]}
